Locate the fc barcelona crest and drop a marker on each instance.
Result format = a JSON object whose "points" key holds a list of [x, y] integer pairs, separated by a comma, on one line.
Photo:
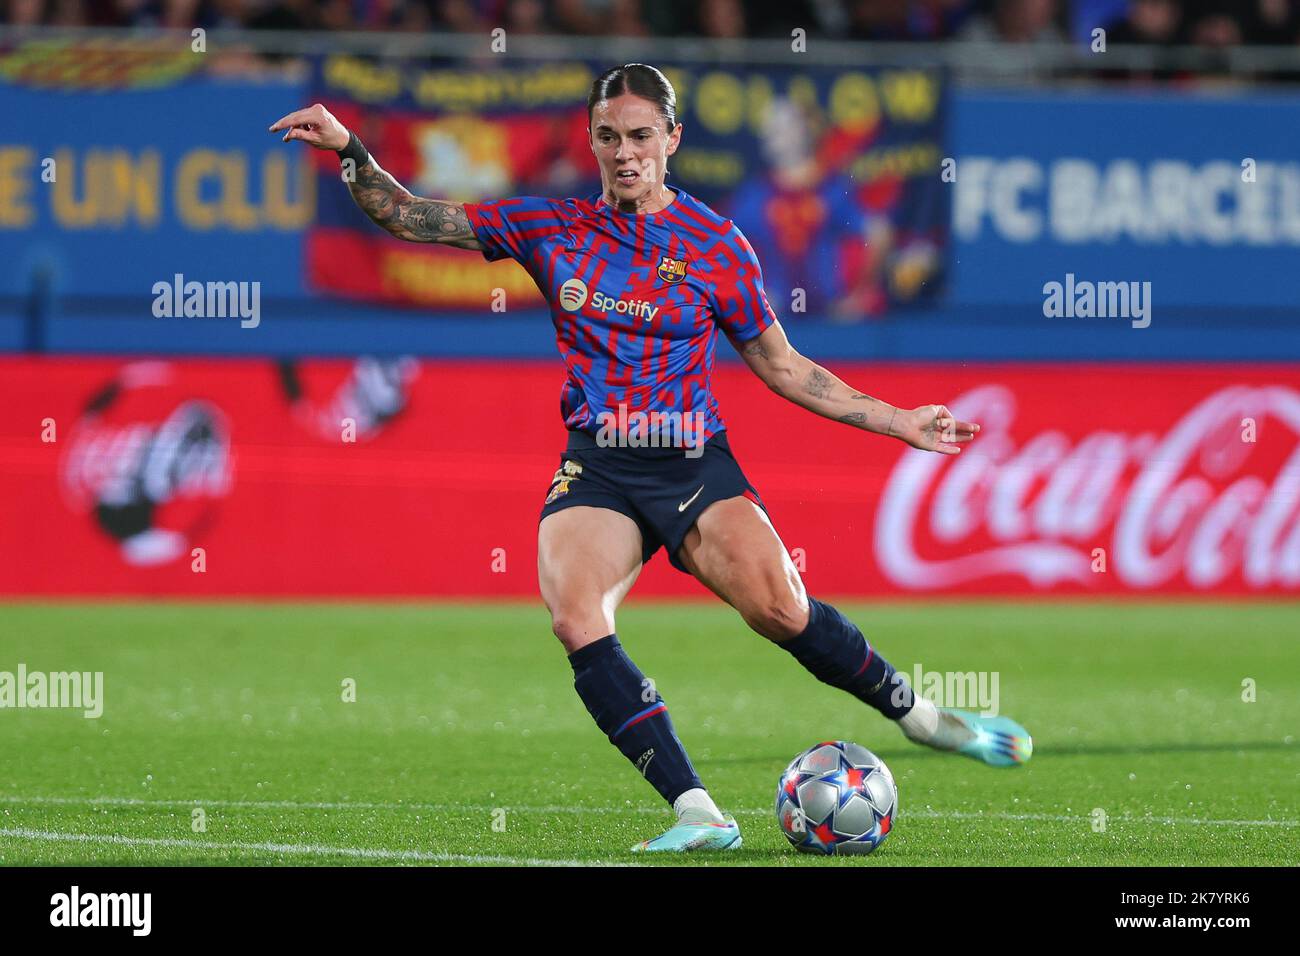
{"points": [[672, 270]]}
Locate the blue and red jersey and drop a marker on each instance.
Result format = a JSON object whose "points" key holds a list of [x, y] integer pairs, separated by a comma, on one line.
{"points": [[636, 298]]}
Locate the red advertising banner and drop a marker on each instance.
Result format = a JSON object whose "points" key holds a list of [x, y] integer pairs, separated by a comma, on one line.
{"points": [[417, 479]]}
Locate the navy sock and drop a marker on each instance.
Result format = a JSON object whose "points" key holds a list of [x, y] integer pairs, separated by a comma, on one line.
{"points": [[635, 721], [834, 651]]}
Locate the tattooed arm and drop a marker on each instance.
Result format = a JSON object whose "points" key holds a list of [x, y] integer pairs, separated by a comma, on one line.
{"points": [[388, 204], [792, 376]]}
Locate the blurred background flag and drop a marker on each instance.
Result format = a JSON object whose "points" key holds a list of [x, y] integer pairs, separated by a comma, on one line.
{"points": [[829, 172]]}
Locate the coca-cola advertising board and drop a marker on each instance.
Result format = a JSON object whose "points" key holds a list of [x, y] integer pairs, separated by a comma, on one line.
{"points": [[405, 478]]}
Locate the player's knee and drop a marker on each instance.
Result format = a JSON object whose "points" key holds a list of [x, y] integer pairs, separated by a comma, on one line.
{"points": [[576, 631], [568, 631], [779, 618]]}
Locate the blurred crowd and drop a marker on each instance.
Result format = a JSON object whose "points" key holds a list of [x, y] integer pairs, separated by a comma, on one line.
{"points": [[1214, 23]]}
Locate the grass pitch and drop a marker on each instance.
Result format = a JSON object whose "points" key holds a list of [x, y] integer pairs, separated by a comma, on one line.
{"points": [[467, 745]]}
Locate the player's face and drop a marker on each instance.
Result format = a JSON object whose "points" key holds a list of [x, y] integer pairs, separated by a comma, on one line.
{"points": [[632, 146]]}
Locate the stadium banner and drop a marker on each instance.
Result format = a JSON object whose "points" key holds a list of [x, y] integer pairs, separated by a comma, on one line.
{"points": [[180, 176], [831, 173], [400, 478], [1198, 195], [1104, 187]]}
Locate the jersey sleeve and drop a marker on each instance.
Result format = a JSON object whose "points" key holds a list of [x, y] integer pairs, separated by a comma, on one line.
{"points": [[513, 228], [740, 303]]}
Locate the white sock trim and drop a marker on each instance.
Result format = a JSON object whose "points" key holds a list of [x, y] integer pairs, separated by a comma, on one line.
{"points": [[921, 721], [697, 799]]}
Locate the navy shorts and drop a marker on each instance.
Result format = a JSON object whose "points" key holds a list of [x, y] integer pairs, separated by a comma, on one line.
{"points": [[662, 489]]}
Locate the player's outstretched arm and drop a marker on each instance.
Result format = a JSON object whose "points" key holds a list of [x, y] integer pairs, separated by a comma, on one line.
{"points": [[390, 206], [381, 197], [801, 380]]}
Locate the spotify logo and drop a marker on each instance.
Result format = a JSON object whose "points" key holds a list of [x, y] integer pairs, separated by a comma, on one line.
{"points": [[572, 295]]}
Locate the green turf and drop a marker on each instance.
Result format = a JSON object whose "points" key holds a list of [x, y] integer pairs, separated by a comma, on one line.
{"points": [[1136, 709]]}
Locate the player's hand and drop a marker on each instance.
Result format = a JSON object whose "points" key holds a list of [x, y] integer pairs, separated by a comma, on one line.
{"points": [[315, 126], [932, 428]]}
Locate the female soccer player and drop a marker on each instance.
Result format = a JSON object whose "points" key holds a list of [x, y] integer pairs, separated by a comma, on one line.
{"points": [[639, 279]]}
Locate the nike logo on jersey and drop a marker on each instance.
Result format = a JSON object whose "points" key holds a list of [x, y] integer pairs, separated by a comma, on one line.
{"points": [[687, 503]]}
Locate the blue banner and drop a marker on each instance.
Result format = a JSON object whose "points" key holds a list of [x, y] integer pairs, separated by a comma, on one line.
{"points": [[1198, 195], [108, 193], [103, 194]]}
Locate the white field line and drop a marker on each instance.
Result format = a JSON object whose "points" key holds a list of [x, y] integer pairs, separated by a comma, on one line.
{"points": [[926, 813], [294, 849]]}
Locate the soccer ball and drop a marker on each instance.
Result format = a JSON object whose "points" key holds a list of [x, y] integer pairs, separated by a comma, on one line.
{"points": [[836, 798]]}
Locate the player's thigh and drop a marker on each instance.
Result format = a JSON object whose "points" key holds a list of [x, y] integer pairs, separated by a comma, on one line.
{"points": [[587, 561], [734, 551]]}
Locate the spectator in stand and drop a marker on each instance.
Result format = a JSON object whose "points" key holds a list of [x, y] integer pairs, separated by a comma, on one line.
{"points": [[907, 19], [283, 15], [825, 18], [225, 14], [1148, 22], [517, 17], [1216, 27], [877, 19], [722, 19], [601, 17], [1215, 23], [1274, 22], [1024, 22], [101, 13], [1017, 21], [25, 13], [179, 14], [394, 15], [334, 15], [527, 17], [69, 13]]}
